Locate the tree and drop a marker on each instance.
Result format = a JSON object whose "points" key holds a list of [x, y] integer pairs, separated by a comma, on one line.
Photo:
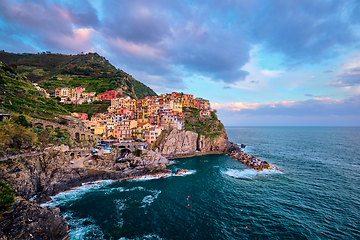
{"points": [[7, 197], [14, 135], [21, 119]]}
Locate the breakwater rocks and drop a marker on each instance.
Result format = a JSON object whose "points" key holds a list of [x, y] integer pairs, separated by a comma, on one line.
{"points": [[27, 220], [250, 160]]}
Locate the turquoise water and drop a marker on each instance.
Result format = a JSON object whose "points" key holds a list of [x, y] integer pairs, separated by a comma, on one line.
{"points": [[320, 184]]}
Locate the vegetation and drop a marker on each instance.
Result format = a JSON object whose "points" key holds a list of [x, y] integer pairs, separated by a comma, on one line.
{"points": [[7, 197], [18, 95], [14, 136], [209, 127], [89, 108], [91, 71], [50, 136]]}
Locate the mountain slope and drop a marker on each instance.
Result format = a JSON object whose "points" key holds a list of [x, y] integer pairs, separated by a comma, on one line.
{"points": [[90, 70], [17, 94]]}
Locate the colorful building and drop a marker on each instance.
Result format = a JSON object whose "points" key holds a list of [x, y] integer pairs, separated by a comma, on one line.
{"points": [[109, 95], [152, 133]]}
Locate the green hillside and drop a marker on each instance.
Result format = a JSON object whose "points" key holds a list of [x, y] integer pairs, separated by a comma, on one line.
{"points": [[90, 70], [17, 94]]}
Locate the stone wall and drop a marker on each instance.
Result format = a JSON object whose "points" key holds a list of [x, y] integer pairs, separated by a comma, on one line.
{"points": [[76, 133]]}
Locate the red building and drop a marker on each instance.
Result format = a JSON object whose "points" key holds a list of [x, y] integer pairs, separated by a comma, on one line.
{"points": [[109, 95]]}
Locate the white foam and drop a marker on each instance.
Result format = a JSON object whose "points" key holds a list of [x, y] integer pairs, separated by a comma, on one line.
{"points": [[122, 189], [147, 177], [69, 196], [79, 231], [149, 199], [249, 173], [189, 172], [120, 205]]}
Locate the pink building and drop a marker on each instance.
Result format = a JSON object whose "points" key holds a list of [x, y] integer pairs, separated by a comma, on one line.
{"points": [[123, 131], [109, 95]]}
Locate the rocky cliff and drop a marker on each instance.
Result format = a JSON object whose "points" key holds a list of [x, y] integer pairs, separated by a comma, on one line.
{"points": [[182, 143], [48, 174], [27, 220]]}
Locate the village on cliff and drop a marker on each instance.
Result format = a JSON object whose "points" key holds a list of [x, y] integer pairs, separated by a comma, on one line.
{"points": [[128, 120]]}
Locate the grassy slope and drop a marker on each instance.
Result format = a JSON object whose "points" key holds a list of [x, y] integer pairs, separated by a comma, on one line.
{"points": [[91, 71], [210, 127], [18, 95]]}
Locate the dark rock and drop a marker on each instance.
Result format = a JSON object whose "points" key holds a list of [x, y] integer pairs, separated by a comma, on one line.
{"points": [[181, 172], [27, 220], [243, 146]]}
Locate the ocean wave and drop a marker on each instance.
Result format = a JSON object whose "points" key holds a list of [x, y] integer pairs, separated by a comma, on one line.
{"points": [[249, 173], [69, 196], [149, 199], [122, 189], [148, 177], [120, 205], [80, 227]]}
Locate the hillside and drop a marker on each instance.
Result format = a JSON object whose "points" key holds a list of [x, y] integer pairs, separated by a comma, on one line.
{"points": [[90, 70], [17, 94]]}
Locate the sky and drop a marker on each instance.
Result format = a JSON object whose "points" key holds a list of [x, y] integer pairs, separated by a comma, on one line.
{"points": [[259, 62]]}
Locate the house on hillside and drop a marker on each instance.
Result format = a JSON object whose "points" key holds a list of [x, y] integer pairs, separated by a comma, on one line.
{"points": [[152, 133]]}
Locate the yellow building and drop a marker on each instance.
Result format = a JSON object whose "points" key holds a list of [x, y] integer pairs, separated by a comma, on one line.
{"points": [[153, 110], [131, 104], [140, 130], [176, 106], [98, 130]]}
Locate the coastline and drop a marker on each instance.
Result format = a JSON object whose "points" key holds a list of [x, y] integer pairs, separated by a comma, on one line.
{"points": [[61, 178], [179, 156]]}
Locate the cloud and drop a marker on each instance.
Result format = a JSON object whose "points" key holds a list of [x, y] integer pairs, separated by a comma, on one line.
{"points": [[212, 39], [271, 73], [309, 95], [351, 77], [303, 31], [327, 71], [49, 26], [311, 107]]}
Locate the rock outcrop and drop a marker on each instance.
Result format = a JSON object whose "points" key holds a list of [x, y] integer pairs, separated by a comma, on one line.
{"points": [[27, 220], [51, 173], [46, 175], [213, 144], [179, 143]]}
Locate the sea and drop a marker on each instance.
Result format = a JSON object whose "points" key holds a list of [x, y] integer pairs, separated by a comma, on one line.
{"points": [[316, 195]]}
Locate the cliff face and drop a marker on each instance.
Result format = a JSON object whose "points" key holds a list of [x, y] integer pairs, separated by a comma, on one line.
{"points": [[184, 143], [213, 144], [46, 175], [51, 173], [178, 142]]}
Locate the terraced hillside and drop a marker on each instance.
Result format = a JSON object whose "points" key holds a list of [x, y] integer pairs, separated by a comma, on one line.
{"points": [[90, 70], [17, 94]]}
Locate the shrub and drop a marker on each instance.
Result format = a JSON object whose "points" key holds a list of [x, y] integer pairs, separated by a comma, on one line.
{"points": [[7, 197]]}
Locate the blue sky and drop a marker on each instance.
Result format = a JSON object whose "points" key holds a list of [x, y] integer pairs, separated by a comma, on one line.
{"points": [[259, 62]]}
